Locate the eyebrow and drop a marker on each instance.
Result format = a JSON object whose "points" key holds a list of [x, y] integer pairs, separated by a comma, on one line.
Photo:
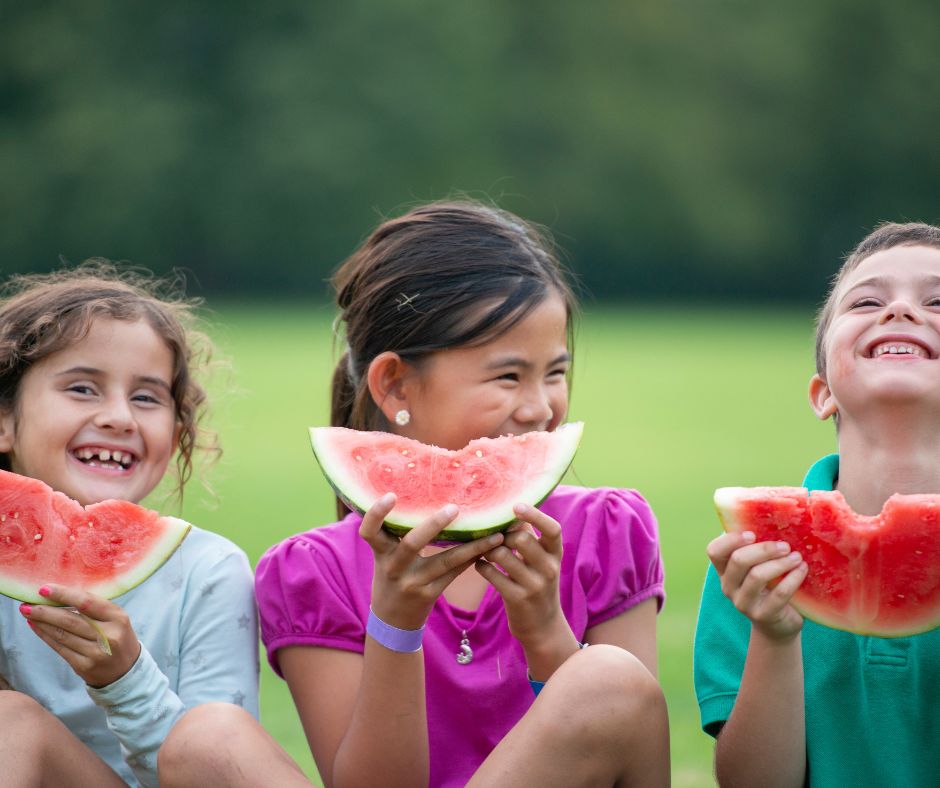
{"points": [[147, 379], [517, 361]]}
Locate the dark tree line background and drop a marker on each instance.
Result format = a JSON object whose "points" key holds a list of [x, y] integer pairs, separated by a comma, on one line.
{"points": [[677, 148]]}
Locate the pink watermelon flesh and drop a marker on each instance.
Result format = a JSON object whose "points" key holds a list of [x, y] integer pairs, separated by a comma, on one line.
{"points": [[106, 548], [869, 575], [484, 479]]}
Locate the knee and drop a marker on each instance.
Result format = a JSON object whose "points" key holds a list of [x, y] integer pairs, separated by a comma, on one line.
{"points": [[21, 712], [28, 718], [200, 736], [607, 683]]}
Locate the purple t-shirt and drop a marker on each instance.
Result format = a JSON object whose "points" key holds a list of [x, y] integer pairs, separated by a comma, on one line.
{"points": [[314, 589]]}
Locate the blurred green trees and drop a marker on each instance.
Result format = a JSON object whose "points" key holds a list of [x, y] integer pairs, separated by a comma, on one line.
{"points": [[676, 148]]}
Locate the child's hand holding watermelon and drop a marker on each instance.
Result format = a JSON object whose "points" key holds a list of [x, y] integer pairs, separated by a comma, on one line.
{"points": [[79, 630], [748, 571], [406, 584]]}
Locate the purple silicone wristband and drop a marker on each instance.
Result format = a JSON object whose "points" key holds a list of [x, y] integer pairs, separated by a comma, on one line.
{"points": [[406, 641]]}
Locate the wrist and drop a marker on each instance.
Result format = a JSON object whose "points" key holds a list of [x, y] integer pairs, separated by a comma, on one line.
{"points": [[405, 641], [544, 655]]}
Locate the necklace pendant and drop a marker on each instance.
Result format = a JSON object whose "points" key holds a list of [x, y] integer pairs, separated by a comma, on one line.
{"points": [[465, 655]]}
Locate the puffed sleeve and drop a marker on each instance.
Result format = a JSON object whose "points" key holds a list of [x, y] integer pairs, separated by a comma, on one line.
{"points": [[312, 590], [612, 540]]}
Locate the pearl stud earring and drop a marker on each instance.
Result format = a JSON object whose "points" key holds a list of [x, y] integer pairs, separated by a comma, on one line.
{"points": [[402, 417]]}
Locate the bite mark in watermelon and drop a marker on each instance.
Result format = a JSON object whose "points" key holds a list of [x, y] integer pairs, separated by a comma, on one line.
{"points": [[484, 479], [107, 548], [875, 575]]}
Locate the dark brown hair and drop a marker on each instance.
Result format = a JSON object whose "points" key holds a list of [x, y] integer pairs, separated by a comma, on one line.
{"points": [[443, 275], [42, 314], [886, 235]]}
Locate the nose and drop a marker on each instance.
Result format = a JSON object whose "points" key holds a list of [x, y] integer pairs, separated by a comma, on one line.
{"points": [[536, 406], [116, 415], [900, 309]]}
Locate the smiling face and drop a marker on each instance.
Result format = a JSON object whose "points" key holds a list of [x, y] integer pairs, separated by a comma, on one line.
{"points": [[883, 343], [97, 419], [512, 384]]}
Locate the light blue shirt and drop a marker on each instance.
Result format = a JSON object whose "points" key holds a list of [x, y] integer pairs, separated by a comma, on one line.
{"points": [[196, 621]]}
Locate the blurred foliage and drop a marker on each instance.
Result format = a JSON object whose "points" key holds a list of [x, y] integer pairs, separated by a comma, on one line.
{"points": [[676, 148]]}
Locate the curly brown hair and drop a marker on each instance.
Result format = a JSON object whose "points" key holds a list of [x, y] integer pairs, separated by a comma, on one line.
{"points": [[41, 314]]}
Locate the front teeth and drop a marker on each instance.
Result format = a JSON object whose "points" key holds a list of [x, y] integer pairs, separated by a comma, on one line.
{"points": [[105, 455], [913, 350]]}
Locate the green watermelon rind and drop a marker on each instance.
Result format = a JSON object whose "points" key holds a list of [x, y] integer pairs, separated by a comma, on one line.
{"points": [[490, 521], [157, 554], [727, 501]]}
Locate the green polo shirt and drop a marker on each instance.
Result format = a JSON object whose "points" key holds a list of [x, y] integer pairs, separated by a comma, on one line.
{"points": [[872, 704]]}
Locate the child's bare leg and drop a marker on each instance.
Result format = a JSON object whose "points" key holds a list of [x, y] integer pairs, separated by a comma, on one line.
{"points": [[36, 749], [222, 745], [601, 720]]}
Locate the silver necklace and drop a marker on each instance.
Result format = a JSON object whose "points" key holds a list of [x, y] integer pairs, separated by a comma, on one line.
{"points": [[465, 655]]}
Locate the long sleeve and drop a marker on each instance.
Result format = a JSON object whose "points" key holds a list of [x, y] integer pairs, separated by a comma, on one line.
{"points": [[207, 652]]}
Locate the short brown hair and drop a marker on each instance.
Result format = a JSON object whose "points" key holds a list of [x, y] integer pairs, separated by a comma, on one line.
{"points": [[41, 314], [886, 235]]}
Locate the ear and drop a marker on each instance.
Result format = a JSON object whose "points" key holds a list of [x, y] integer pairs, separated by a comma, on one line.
{"points": [[387, 376], [821, 399], [7, 430]]}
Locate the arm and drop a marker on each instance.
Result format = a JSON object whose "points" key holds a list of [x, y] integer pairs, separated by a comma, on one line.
{"points": [[763, 741], [633, 630], [365, 716], [217, 655]]}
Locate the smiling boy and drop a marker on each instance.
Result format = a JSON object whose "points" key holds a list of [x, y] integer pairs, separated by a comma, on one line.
{"points": [[796, 703]]}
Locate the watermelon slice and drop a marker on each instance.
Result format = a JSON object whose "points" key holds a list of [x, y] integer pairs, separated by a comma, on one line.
{"points": [[484, 479], [106, 548], [869, 575]]}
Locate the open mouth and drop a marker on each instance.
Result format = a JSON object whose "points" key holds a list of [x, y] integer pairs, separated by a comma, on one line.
{"points": [[895, 348], [112, 459]]}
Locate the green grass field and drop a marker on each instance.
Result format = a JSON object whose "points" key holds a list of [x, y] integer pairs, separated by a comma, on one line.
{"points": [[674, 400]]}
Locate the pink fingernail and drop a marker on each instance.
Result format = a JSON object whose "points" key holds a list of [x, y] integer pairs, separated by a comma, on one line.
{"points": [[26, 609], [45, 591], [748, 536]]}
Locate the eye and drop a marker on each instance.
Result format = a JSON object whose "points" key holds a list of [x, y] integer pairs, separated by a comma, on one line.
{"points": [[147, 398], [510, 376], [84, 389], [864, 301], [935, 301]]}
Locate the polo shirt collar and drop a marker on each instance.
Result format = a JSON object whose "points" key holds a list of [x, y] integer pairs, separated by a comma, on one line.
{"points": [[823, 473]]}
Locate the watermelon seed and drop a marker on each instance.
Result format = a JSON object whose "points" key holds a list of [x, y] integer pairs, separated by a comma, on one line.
{"points": [[3, 518], [411, 465], [71, 537], [388, 470], [16, 515], [37, 538], [358, 458], [479, 453], [900, 596], [456, 464], [405, 452], [918, 552]]}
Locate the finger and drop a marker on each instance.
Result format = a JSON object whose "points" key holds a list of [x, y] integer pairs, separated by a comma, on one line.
{"points": [[423, 534], [547, 527], [781, 594], [75, 649], [371, 527], [758, 581], [441, 569], [720, 548], [745, 558], [534, 553], [495, 577], [513, 567], [90, 605]]}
